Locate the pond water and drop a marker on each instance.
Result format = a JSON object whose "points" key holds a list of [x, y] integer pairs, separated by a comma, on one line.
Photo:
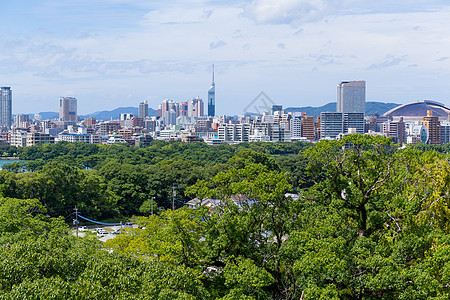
{"points": [[7, 161]]}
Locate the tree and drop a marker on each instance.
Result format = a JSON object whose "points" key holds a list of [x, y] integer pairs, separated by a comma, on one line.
{"points": [[251, 223], [247, 156], [359, 169], [60, 187], [20, 219], [128, 183], [360, 232]]}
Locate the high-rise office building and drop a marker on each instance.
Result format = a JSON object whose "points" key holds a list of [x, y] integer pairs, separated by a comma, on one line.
{"points": [[170, 117], [308, 127], [434, 128], [150, 125], [296, 125], [184, 109], [168, 105], [317, 128], [331, 124], [5, 107], [21, 121], [353, 120], [445, 132], [68, 109], [160, 110], [143, 110], [351, 97], [196, 108], [212, 98]]}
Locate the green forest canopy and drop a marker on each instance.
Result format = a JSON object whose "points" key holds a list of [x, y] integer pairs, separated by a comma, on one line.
{"points": [[371, 222]]}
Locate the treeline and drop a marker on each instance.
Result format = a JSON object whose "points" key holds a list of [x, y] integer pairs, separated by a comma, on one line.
{"points": [[83, 155], [113, 181], [372, 221]]}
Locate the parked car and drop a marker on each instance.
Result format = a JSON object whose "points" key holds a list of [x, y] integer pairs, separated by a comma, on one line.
{"points": [[98, 230], [128, 224], [102, 233], [83, 228], [116, 231]]}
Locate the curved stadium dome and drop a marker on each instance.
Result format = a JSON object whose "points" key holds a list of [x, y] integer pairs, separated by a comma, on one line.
{"points": [[415, 111]]}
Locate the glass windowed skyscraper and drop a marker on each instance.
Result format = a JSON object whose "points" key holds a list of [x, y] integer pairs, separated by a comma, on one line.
{"points": [[212, 98], [5, 107], [143, 110], [351, 97]]}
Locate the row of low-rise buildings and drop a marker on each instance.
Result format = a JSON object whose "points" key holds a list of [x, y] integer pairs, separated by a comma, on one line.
{"points": [[278, 126], [420, 121], [290, 127], [21, 137]]}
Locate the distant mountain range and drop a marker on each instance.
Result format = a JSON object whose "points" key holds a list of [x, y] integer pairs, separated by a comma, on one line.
{"points": [[115, 114], [372, 108], [47, 115], [99, 115]]}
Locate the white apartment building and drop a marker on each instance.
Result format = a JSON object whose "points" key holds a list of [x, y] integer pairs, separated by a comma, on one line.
{"points": [[18, 138]]}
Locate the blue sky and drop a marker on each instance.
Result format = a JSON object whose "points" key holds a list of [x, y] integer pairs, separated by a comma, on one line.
{"points": [[111, 53]]}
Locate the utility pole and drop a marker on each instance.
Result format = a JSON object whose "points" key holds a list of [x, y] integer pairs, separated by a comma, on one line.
{"points": [[152, 205], [76, 222], [173, 197]]}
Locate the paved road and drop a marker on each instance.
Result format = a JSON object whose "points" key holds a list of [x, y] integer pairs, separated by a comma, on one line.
{"points": [[104, 238]]}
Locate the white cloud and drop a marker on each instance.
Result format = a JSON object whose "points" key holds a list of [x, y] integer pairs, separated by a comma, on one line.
{"points": [[285, 11], [178, 15], [390, 61], [216, 45], [255, 45]]}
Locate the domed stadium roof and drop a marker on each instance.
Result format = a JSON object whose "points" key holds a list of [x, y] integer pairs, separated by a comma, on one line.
{"points": [[418, 109]]}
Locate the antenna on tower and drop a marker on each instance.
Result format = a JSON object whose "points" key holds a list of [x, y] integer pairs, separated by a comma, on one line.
{"points": [[213, 74]]}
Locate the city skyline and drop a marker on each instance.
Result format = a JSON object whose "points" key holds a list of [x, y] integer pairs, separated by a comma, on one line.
{"points": [[116, 53]]}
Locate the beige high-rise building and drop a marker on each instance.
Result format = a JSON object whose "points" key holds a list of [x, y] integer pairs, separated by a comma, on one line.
{"points": [[195, 108], [68, 109], [434, 128], [308, 127], [184, 109], [167, 105], [351, 97]]}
